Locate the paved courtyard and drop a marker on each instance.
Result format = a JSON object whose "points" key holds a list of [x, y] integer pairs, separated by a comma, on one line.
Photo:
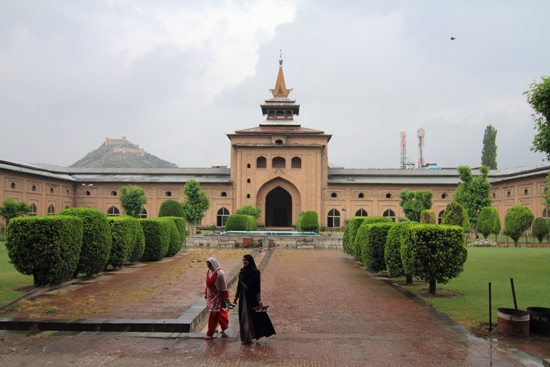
{"points": [[327, 311]]}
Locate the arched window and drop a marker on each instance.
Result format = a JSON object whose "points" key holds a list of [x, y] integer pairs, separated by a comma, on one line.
{"points": [[296, 163], [168, 193], [388, 196], [51, 210], [361, 213], [32, 213], [113, 193], [444, 196], [68, 192], [88, 193], [248, 181], [361, 195], [223, 194], [278, 162], [261, 162], [67, 207], [389, 213], [51, 190], [333, 220], [143, 213], [13, 185], [248, 196], [279, 142], [508, 193], [248, 165], [494, 195], [440, 216], [223, 213], [33, 188], [546, 213], [525, 192], [113, 212], [333, 195]]}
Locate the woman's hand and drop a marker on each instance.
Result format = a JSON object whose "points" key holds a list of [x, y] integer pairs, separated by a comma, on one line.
{"points": [[235, 300], [261, 304]]}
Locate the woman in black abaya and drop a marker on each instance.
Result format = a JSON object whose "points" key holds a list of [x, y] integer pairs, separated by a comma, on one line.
{"points": [[253, 324]]}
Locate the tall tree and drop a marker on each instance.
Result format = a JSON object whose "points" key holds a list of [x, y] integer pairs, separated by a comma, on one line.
{"points": [[489, 152], [195, 204], [249, 210], [132, 199], [415, 202], [539, 99], [12, 209], [473, 193]]}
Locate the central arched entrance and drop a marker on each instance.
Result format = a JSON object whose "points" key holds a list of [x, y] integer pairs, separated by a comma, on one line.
{"points": [[278, 208]]}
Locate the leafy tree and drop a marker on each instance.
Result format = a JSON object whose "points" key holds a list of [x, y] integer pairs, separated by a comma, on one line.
{"points": [[540, 228], [132, 199], [489, 152], [473, 193], [488, 221], [249, 210], [195, 204], [12, 209], [517, 220], [170, 208], [415, 202], [456, 215], [428, 217], [539, 99]]}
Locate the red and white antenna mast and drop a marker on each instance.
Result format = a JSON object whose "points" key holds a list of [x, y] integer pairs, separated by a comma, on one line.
{"points": [[421, 134], [403, 135]]}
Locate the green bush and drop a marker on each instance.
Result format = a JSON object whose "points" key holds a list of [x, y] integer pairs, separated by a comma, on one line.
{"points": [[237, 222], [323, 229], [456, 215], [175, 240], [357, 249], [516, 221], [96, 240], [180, 225], [392, 251], [428, 217], [252, 225], [48, 248], [157, 238], [488, 221], [171, 208], [436, 254], [138, 247], [123, 236], [345, 241], [540, 228], [354, 224], [298, 224], [309, 222], [372, 239]]}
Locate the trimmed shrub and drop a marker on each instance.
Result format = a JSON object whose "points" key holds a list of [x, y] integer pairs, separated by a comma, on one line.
{"points": [[428, 217], [433, 253], [309, 222], [488, 221], [354, 224], [456, 215], [139, 242], [175, 241], [180, 225], [345, 241], [252, 225], [96, 240], [372, 239], [123, 236], [47, 248], [516, 221], [392, 251], [171, 208], [357, 251], [236, 222], [157, 238], [540, 228]]}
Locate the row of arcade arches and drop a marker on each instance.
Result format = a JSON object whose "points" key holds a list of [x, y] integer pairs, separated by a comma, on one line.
{"points": [[278, 162]]}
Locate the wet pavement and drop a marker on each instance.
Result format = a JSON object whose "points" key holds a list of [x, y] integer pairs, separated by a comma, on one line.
{"points": [[327, 311]]}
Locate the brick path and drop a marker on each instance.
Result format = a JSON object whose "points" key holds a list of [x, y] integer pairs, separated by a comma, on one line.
{"points": [[327, 312]]}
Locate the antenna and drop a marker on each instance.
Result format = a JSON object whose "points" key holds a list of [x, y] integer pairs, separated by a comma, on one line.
{"points": [[403, 135], [421, 133]]}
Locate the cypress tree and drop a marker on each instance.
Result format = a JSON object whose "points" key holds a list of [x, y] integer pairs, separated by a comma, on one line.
{"points": [[489, 152]]}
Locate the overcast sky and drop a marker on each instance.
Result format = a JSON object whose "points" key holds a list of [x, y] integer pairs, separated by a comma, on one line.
{"points": [[176, 76]]}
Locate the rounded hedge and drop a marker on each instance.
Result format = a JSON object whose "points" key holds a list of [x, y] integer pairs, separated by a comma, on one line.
{"points": [[96, 240], [123, 235], [138, 247], [428, 217], [540, 228], [488, 221], [171, 208], [345, 241], [252, 225], [517, 219], [456, 215], [175, 239], [357, 251], [237, 222], [157, 233], [392, 251], [372, 239], [48, 248], [309, 222]]}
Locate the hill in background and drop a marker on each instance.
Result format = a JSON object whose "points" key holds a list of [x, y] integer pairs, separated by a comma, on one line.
{"points": [[120, 153]]}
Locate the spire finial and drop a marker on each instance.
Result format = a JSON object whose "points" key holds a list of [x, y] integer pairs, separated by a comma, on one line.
{"points": [[280, 87]]}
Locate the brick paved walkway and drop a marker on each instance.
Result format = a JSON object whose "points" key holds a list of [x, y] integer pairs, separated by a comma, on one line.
{"points": [[327, 312]]}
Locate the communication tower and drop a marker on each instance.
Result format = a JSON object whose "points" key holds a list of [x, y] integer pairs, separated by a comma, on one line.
{"points": [[403, 135], [421, 134]]}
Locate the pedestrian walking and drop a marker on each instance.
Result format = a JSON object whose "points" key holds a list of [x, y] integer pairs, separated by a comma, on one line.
{"points": [[215, 293], [254, 321]]}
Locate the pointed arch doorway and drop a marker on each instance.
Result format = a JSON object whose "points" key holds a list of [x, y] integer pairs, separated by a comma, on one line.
{"points": [[278, 208]]}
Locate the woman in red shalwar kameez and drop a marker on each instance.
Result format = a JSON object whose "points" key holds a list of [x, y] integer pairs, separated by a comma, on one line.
{"points": [[215, 293]]}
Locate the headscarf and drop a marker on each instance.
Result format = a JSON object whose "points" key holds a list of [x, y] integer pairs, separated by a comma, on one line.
{"points": [[219, 280], [251, 264], [215, 266]]}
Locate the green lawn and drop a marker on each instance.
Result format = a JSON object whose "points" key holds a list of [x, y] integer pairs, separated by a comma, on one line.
{"points": [[529, 267], [10, 278]]}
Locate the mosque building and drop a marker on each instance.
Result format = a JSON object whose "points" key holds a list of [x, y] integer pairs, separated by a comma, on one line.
{"points": [[278, 166]]}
